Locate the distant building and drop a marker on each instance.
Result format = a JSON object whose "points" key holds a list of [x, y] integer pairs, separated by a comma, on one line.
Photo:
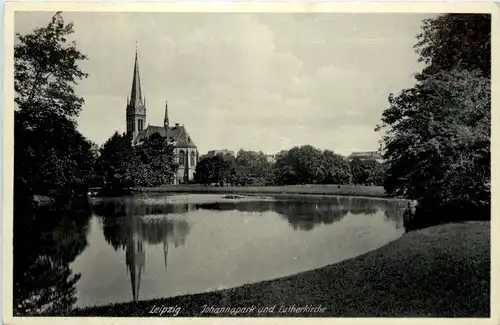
{"points": [[366, 155], [271, 158], [177, 135], [221, 152]]}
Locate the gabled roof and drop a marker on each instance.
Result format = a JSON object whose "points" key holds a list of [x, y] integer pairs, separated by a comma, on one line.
{"points": [[149, 131], [177, 135]]}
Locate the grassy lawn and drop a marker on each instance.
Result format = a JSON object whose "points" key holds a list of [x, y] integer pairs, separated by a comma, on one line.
{"points": [[351, 190], [437, 271]]}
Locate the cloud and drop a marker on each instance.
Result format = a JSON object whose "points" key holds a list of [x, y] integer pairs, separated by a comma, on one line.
{"points": [[253, 81]]}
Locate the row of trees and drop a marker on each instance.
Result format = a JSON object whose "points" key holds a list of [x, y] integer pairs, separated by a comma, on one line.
{"points": [[299, 165], [437, 133]]}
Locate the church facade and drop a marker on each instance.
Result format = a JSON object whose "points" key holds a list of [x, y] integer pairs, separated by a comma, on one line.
{"points": [[185, 150]]}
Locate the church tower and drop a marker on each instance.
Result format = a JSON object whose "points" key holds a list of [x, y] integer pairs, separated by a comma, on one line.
{"points": [[136, 105]]}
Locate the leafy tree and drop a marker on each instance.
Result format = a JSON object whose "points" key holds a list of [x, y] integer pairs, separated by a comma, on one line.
{"points": [[360, 171], [437, 134], [251, 168], [437, 144], [309, 165], [367, 172], [45, 70], [299, 165], [376, 172], [456, 41], [204, 171], [336, 169], [216, 169], [116, 160], [50, 155], [156, 162]]}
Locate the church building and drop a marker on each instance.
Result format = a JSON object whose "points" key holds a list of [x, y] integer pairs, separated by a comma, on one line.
{"points": [[177, 135]]}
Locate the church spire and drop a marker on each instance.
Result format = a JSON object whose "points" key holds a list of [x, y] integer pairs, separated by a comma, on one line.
{"points": [[165, 120], [136, 98]]}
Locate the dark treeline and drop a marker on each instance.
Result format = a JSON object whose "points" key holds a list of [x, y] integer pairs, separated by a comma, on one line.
{"points": [[299, 165]]}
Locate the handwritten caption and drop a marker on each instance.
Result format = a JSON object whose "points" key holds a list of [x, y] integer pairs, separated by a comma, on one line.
{"points": [[263, 309], [253, 309]]}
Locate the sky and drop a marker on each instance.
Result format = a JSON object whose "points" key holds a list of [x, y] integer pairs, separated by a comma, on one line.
{"points": [[263, 82]]}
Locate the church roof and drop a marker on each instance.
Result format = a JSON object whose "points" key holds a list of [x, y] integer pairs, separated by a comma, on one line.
{"points": [[149, 131], [177, 135]]}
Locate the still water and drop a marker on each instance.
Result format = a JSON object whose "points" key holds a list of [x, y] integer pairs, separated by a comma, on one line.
{"points": [[144, 247]]}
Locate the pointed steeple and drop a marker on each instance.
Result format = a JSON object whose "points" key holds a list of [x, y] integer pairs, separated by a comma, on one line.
{"points": [[165, 120], [136, 104], [136, 98]]}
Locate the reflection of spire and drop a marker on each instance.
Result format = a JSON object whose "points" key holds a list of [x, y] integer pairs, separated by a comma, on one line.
{"points": [[135, 259], [165, 252]]}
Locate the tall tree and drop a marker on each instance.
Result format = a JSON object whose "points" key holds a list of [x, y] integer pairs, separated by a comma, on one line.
{"points": [[217, 169], [50, 154], [300, 165], [158, 160], [46, 69], [360, 171], [116, 160], [437, 134], [251, 168], [336, 169], [437, 142], [456, 41]]}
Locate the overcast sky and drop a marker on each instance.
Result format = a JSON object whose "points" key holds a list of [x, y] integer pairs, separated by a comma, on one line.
{"points": [[253, 81]]}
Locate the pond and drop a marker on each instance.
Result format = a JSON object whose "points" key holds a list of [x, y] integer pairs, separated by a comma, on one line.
{"points": [[144, 247]]}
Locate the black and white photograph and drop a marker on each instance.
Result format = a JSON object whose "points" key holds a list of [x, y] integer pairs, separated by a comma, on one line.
{"points": [[246, 163]]}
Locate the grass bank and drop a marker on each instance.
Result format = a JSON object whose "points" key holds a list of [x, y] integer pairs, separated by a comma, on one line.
{"points": [[438, 271], [350, 190]]}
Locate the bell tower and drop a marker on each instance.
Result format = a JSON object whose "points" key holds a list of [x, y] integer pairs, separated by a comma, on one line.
{"points": [[136, 105]]}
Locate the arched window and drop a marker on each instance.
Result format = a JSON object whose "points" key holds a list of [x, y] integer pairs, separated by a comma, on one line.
{"points": [[193, 159], [182, 159]]}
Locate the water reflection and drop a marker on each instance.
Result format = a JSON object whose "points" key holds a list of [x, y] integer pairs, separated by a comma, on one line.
{"points": [[46, 241], [267, 238], [131, 225], [306, 213]]}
